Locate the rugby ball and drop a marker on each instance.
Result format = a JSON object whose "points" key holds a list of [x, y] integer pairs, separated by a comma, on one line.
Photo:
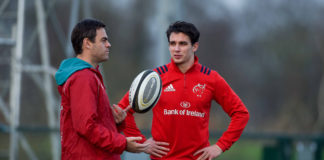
{"points": [[145, 91]]}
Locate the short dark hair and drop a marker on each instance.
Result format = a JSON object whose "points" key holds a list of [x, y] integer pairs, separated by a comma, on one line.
{"points": [[184, 27], [86, 28]]}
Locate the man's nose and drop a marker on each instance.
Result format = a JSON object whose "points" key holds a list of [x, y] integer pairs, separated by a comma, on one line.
{"points": [[177, 47], [108, 45]]}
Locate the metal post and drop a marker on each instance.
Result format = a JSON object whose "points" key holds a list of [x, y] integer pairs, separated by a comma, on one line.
{"points": [[73, 20], [45, 59], [15, 85], [162, 45], [167, 12]]}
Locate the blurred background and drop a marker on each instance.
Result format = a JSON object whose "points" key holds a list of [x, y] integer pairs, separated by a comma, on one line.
{"points": [[271, 52]]}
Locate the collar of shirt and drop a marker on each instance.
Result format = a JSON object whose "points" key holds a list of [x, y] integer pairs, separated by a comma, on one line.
{"points": [[175, 67]]}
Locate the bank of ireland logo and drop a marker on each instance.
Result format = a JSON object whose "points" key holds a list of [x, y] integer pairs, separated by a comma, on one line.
{"points": [[199, 89], [185, 104]]}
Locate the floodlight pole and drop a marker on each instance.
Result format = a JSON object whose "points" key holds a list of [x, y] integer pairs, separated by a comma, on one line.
{"points": [[168, 11], [48, 84], [73, 20], [15, 86]]}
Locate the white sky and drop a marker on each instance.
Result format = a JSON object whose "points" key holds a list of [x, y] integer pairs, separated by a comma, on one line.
{"points": [[234, 4]]}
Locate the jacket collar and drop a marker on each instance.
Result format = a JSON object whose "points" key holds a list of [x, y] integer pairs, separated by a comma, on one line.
{"points": [[176, 68], [97, 72]]}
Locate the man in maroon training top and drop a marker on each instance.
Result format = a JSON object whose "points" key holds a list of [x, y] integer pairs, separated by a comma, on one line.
{"points": [[87, 121]]}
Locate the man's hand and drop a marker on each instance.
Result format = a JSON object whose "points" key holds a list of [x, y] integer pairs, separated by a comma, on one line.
{"points": [[156, 148], [119, 113], [133, 146], [209, 153]]}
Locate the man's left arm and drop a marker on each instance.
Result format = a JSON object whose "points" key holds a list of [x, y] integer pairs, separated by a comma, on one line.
{"points": [[234, 107]]}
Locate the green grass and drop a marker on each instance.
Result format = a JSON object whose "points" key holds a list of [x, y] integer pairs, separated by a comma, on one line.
{"points": [[252, 150], [243, 150], [39, 142], [4, 146]]}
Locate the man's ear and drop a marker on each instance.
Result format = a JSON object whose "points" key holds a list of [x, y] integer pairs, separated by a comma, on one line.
{"points": [[86, 44], [195, 46]]}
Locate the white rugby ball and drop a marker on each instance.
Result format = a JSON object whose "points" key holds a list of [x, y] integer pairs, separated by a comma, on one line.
{"points": [[145, 91]]}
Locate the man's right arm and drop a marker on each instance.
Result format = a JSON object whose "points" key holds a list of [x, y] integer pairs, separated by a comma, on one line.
{"points": [[158, 149], [131, 129]]}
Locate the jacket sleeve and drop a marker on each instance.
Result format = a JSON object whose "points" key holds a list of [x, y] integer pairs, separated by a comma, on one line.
{"points": [[130, 129], [235, 108], [84, 100]]}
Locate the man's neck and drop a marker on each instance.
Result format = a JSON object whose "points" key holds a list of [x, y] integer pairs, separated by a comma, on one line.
{"points": [[87, 59], [184, 67]]}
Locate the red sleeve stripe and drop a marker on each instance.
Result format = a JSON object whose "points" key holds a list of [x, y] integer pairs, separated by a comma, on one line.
{"points": [[205, 70], [208, 71]]}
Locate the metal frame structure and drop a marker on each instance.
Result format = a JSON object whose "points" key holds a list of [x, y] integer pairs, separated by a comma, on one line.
{"points": [[19, 47], [167, 11]]}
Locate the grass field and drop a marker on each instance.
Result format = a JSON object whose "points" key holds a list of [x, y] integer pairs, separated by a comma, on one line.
{"points": [[253, 150], [242, 150]]}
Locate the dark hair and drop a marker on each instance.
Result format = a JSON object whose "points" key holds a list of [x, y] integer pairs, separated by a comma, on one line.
{"points": [[184, 27], [86, 28]]}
